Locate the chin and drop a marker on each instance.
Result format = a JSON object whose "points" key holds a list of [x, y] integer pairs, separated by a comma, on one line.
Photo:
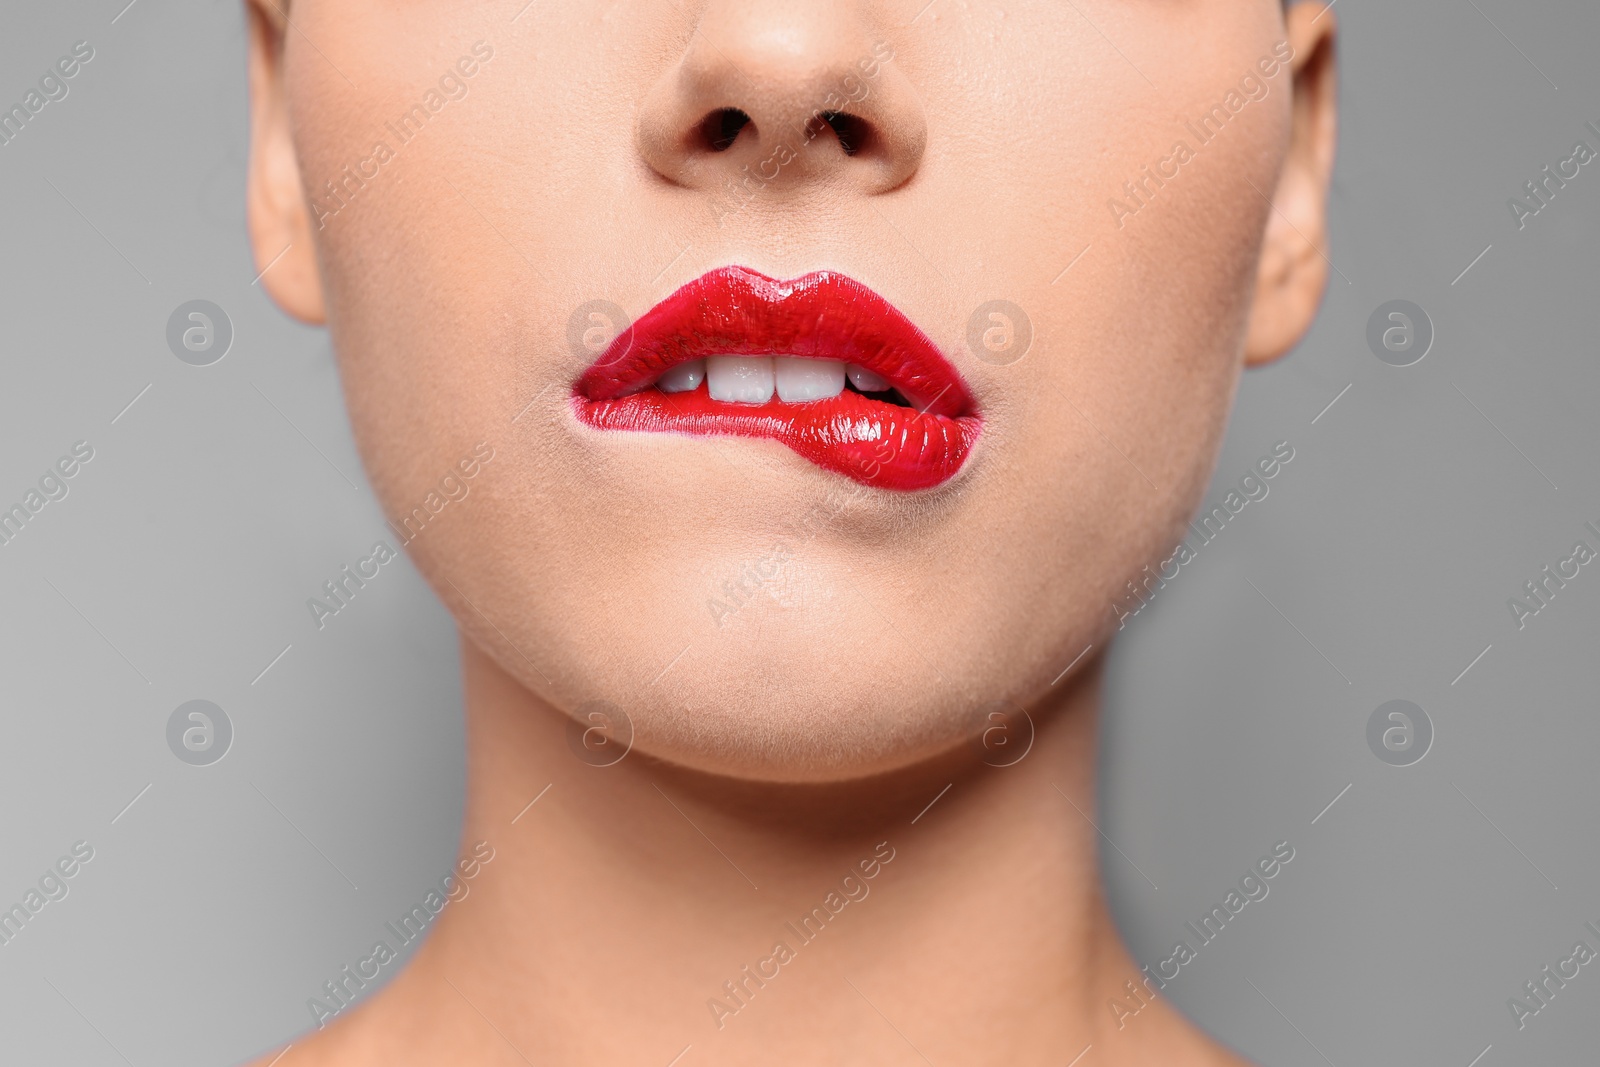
{"points": [[801, 680], [778, 725], [811, 663]]}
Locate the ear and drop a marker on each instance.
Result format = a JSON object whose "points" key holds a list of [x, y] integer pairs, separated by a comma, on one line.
{"points": [[275, 205], [1293, 271]]}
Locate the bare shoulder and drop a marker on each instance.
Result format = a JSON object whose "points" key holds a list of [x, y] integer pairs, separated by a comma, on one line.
{"points": [[356, 1038], [408, 1021], [336, 1046]]}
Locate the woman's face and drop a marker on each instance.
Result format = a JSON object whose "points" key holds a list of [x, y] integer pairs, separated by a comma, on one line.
{"points": [[502, 180]]}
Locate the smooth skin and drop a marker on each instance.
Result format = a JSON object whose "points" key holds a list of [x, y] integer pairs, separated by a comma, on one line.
{"points": [[778, 743]]}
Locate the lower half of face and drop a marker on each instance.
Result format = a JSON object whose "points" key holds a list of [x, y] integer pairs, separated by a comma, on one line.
{"points": [[895, 227]]}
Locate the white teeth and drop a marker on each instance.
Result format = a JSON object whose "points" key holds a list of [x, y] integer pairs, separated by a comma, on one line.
{"points": [[740, 379], [865, 380], [683, 377], [754, 379], [800, 380]]}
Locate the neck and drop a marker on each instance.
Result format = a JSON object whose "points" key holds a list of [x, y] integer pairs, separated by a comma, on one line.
{"points": [[637, 908]]}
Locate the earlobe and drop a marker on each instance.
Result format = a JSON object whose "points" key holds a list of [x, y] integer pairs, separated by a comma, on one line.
{"points": [[1294, 268], [275, 206]]}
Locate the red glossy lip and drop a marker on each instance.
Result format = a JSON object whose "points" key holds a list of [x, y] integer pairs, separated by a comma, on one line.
{"points": [[734, 311]]}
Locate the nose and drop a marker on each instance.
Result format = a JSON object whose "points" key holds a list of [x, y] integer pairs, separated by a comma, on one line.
{"points": [[778, 95]]}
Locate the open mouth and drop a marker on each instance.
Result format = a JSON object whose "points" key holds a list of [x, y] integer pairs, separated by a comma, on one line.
{"points": [[820, 363]]}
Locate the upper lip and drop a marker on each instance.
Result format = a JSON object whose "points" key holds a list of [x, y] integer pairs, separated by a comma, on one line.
{"points": [[735, 311]]}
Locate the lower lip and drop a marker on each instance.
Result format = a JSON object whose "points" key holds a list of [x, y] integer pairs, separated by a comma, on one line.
{"points": [[877, 444]]}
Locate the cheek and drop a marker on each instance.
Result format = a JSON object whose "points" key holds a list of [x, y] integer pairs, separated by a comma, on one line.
{"points": [[1138, 320]]}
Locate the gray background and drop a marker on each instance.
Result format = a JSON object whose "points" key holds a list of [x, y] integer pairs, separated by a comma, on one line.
{"points": [[1377, 568]]}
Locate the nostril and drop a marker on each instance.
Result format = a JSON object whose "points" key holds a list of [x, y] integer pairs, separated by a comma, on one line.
{"points": [[721, 128], [853, 132]]}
